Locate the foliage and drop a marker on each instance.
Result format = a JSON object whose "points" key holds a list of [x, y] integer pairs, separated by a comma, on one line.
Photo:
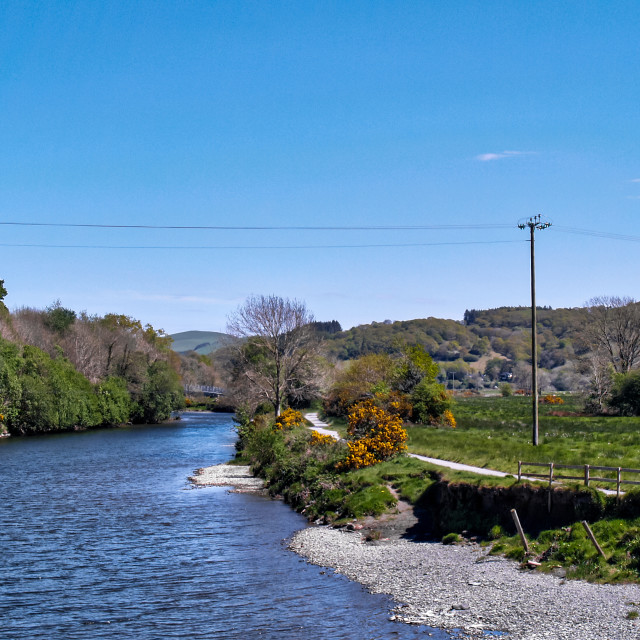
{"points": [[504, 331], [506, 390], [87, 372], [430, 401], [625, 394], [161, 394], [301, 466], [289, 419], [357, 381], [570, 547], [415, 366], [448, 419], [114, 401], [404, 385], [318, 438], [376, 436], [327, 328], [451, 538], [58, 318]]}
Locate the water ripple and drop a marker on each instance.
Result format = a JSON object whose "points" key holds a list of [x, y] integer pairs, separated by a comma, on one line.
{"points": [[100, 541]]}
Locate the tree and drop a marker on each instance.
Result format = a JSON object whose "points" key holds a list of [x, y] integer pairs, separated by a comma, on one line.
{"points": [[58, 318], [613, 327], [625, 394], [277, 358]]}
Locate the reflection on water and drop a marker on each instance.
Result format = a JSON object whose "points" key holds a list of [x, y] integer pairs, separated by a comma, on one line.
{"points": [[100, 539]]}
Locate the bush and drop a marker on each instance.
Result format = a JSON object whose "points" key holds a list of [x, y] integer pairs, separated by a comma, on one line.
{"points": [[625, 394], [430, 401], [288, 419], [451, 538], [377, 434], [506, 390], [161, 394]]}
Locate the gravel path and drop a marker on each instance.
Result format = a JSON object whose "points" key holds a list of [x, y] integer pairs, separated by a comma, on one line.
{"points": [[323, 427], [460, 587]]}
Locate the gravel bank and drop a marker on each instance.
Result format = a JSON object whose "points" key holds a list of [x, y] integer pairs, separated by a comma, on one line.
{"points": [[460, 587], [227, 475]]}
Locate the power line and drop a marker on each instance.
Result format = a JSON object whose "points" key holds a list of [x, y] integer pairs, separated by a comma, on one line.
{"points": [[259, 227], [597, 234], [432, 227], [240, 247]]}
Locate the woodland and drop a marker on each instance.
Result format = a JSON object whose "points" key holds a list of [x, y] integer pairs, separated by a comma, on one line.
{"points": [[60, 370]]}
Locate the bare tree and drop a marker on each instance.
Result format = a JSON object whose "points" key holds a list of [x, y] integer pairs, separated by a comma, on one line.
{"points": [[277, 358], [613, 328]]}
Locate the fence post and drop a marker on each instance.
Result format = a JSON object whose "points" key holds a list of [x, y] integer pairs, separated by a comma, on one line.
{"points": [[516, 520], [586, 475], [519, 470], [550, 484], [593, 539], [618, 484]]}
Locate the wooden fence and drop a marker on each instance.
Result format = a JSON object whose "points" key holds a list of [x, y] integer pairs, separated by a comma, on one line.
{"points": [[586, 476]]}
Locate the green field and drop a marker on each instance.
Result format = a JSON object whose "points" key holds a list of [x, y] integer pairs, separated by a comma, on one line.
{"points": [[496, 432]]}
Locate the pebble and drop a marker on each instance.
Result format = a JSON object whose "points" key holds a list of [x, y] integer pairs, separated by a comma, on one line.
{"points": [[453, 587]]}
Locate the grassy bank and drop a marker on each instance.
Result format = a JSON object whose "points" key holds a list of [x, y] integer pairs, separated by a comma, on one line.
{"points": [[302, 469]]}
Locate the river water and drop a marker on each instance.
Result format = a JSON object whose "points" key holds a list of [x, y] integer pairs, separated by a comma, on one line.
{"points": [[101, 536]]}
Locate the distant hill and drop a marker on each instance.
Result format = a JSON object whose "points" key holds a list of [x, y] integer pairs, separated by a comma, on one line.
{"points": [[202, 342], [490, 342], [505, 331]]}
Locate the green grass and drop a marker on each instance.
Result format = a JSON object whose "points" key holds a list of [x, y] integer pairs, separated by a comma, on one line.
{"points": [[495, 432], [570, 547], [305, 475]]}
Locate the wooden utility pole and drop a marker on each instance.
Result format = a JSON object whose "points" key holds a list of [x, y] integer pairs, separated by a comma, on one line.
{"points": [[533, 224]]}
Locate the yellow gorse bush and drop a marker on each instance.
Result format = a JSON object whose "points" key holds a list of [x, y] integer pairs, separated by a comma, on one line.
{"points": [[288, 419], [320, 439], [378, 436], [448, 419]]}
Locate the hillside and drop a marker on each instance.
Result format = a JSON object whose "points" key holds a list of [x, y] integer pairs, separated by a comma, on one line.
{"points": [[202, 342], [488, 342]]}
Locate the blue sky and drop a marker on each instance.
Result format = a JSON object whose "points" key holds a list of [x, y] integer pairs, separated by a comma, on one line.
{"points": [[317, 114]]}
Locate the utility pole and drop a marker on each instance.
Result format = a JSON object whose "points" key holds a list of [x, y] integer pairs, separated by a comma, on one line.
{"points": [[534, 223]]}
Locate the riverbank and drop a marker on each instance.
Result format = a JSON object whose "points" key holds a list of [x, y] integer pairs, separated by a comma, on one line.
{"points": [[461, 587], [228, 475]]}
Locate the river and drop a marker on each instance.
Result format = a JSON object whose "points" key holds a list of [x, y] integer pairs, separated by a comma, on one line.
{"points": [[102, 536]]}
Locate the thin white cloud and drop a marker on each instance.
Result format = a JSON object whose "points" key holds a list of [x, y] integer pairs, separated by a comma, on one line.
{"points": [[635, 180], [488, 157]]}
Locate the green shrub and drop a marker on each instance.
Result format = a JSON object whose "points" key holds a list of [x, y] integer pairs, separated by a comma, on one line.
{"points": [[451, 538], [495, 532], [506, 390], [430, 400]]}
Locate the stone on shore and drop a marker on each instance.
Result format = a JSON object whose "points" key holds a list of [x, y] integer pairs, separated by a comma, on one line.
{"points": [[461, 587], [228, 475]]}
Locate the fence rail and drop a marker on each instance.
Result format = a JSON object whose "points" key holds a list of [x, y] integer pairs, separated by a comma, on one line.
{"points": [[586, 476]]}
